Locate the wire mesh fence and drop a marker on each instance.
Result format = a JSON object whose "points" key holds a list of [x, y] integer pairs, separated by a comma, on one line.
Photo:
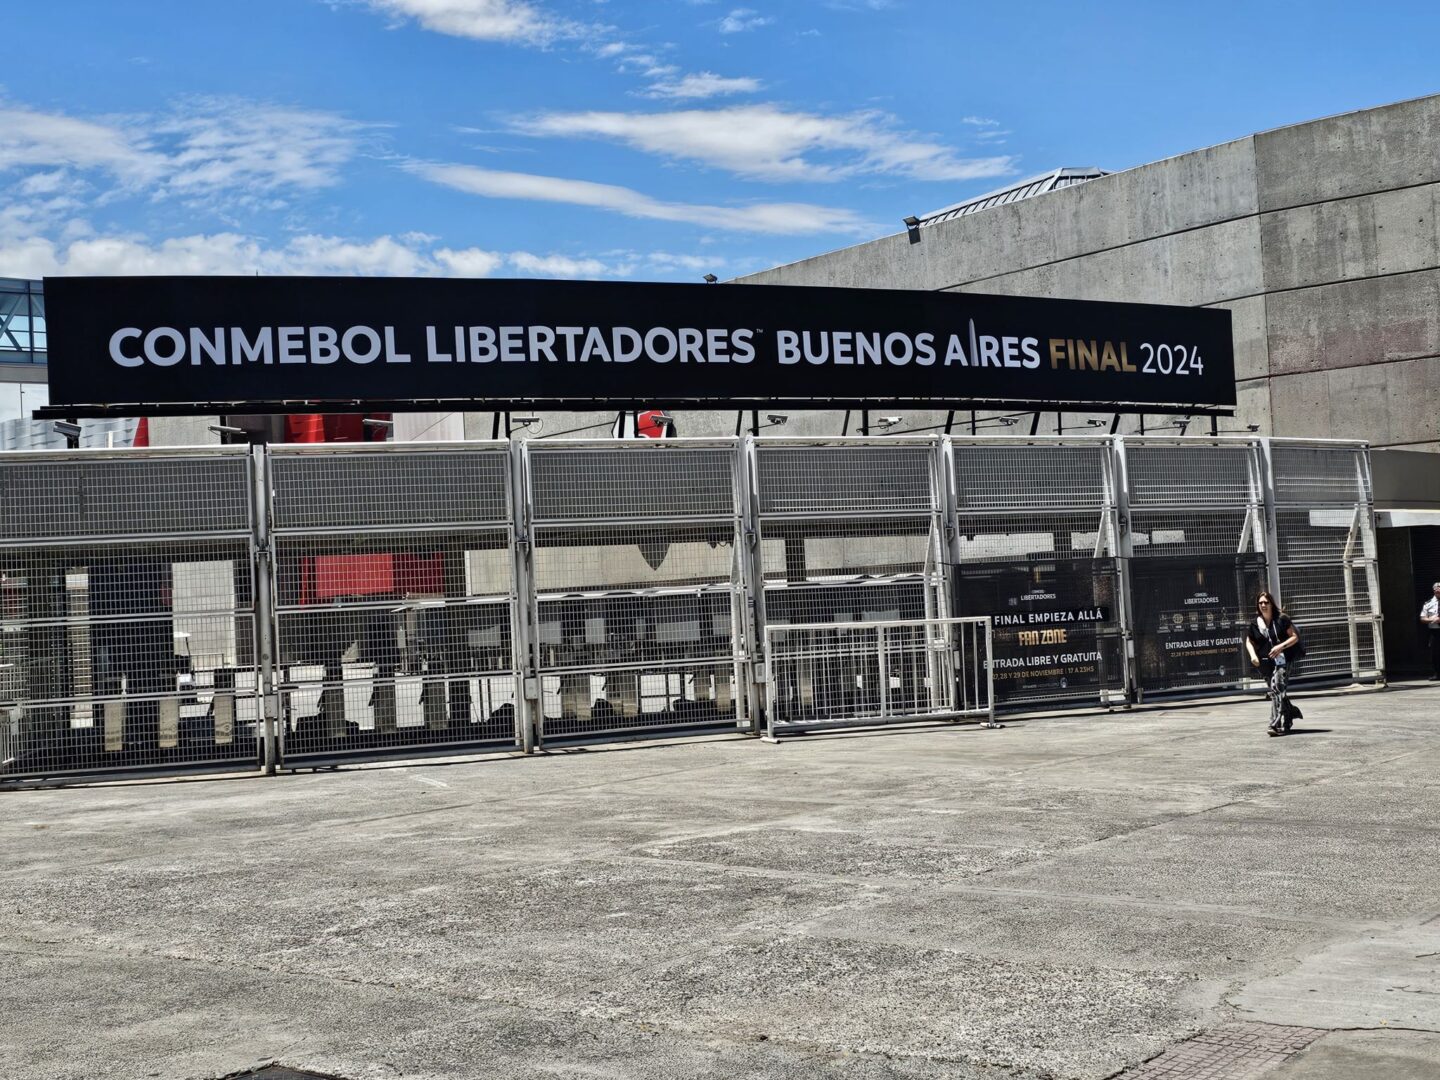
{"points": [[1035, 548], [170, 609], [392, 599], [844, 674], [637, 587], [1326, 575], [1197, 559], [127, 612]]}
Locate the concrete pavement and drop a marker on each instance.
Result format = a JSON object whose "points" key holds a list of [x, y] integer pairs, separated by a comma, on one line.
{"points": [[1067, 897]]}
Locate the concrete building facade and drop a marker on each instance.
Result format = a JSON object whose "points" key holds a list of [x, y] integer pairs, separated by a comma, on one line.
{"points": [[1321, 239]]}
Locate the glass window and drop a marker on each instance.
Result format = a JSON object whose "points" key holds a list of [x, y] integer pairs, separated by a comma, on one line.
{"points": [[17, 399], [22, 323], [10, 401]]}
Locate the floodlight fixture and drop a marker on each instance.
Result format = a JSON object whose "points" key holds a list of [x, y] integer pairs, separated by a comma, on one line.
{"points": [[885, 423], [711, 279], [911, 222], [226, 429], [371, 422], [64, 427], [777, 418]]}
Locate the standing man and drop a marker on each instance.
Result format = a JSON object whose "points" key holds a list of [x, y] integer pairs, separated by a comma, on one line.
{"points": [[1430, 616]]}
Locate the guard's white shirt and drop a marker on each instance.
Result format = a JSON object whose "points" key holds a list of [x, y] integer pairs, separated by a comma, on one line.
{"points": [[1431, 609]]}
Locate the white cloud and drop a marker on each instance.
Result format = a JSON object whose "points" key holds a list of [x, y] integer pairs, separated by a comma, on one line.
{"points": [[742, 19], [207, 147], [226, 144], [563, 266], [790, 219], [31, 139], [481, 20], [763, 142], [670, 261], [703, 84], [411, 255], [469, 262]]}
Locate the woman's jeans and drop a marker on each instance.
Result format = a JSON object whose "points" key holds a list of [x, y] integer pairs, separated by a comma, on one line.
{"points": [[1279, 680]]}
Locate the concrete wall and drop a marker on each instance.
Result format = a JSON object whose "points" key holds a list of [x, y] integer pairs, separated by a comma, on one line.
{"points": [[1322, 239]]}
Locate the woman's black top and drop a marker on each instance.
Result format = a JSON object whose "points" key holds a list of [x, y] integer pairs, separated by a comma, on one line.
{"points": [[1265, 636]]}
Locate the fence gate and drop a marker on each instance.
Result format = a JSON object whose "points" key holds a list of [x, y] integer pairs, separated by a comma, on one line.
{"points": [[127, 612], [1324, 568], [1035, 546], [392, 593], [829, 674], [638, 595], [1196, 547], [848, 531]]}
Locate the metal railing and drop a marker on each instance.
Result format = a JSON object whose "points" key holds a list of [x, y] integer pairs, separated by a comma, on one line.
{"points": [[634, 560], [848, 674], [286, 606], [127, 612], [391, 599]]}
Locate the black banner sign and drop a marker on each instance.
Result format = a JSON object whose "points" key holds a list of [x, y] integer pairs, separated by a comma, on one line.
{"points": [[1190, 618], [1055, 634], [272, 344]]}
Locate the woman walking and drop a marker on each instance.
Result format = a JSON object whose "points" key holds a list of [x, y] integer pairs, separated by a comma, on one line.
{"points": [[1273, 644]]}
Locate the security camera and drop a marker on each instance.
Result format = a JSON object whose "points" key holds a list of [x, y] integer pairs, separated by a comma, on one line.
{"points": [[777, 418]]}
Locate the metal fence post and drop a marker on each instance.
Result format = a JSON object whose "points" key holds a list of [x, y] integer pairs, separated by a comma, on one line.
{"points": [[1124, 551], [753, 566], [1372, 574], [884, 663], [528, 695], [267, 662], [770, 694], [990, 673], [1272, 529]]}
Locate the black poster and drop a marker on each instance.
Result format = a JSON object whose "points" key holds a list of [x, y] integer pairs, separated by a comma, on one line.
{"points": [[1056, 626], [243, 344], [1191, 614]]}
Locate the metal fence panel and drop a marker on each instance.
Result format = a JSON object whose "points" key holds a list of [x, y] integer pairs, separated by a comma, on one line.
{"points": [[393, 600], [848, 529], [1196, 546], [127, 612], [457, 597], [1325, 560], [843, 674], [638, 591], [1035, 548]]}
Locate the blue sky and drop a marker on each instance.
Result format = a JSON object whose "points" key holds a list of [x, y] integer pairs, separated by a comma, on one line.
{"points": [[633, 139]]}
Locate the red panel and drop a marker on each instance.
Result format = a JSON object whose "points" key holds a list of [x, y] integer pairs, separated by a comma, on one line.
{"points": [[305, 428], [648, 426], [348, 575], [423, 574]]}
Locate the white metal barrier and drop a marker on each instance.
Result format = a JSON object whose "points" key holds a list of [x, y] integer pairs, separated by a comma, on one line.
{"points": [[830, 675]]}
